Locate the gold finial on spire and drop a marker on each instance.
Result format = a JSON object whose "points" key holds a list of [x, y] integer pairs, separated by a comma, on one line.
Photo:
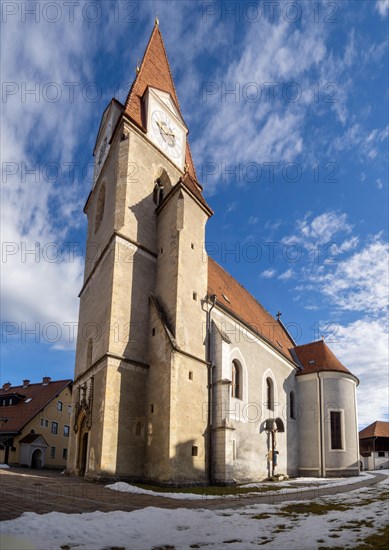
{"points": [[138, 66], [156, 20]]}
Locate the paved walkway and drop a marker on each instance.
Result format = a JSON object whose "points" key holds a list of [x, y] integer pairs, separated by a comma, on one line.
{"points": [[43, 491]]}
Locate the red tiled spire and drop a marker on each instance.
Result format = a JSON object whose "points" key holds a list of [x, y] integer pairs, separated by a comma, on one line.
{"points": [[155, 72]]}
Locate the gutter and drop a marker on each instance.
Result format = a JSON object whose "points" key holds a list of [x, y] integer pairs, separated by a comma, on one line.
{"points": [[321, 428], [210, 389]]}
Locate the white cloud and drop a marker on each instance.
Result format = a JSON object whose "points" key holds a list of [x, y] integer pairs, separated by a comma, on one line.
{"points": [[382, 7], [348, 244], [288, 274], [38, 209], [322, 230], [379, 183], [268, 273], [360, 282], [253, 220], [362, 346]]}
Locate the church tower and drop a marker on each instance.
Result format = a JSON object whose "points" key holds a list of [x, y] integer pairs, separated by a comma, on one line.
{"points": [[141, 369]]}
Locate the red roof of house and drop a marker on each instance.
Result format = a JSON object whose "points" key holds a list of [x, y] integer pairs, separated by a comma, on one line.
{"points": [[377, 429], [239, 302], [317, 357], [14, 417], [155, 72]]}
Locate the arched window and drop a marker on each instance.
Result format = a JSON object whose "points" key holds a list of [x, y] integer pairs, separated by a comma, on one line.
{"points": [[270, 394], [292, 405], [236, 380], [100, 207]]}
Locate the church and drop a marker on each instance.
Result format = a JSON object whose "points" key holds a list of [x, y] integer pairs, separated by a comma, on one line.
{"points": [[181, 376]]}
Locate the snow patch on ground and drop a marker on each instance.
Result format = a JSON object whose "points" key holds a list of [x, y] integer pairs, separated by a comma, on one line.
{"points": [[237, 527], [126, 488], [311, 482], [3, 466]]}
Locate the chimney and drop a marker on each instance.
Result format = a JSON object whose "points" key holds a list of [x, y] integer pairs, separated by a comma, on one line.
{"points": [[46, 380], [26, 383], [7, 386]]}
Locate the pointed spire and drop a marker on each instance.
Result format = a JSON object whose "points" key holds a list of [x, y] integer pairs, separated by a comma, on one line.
{"points": [[154, 71]]}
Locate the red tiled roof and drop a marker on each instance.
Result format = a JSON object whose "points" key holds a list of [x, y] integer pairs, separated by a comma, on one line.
{"points": [[317, 357], [377, 429], [238, 301], [19, 415], [155, 72]]}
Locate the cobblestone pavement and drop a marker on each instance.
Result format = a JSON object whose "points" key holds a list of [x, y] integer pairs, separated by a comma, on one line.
{"points": [[43, 491]]}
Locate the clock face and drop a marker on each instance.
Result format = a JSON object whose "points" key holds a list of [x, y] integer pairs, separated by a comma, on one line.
{"points": [[168, 136]]}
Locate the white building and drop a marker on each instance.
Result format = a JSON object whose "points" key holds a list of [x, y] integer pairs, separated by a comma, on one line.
{"points": [[181, 375]]}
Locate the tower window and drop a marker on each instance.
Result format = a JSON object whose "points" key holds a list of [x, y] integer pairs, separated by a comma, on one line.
{"points": [[100, 207], [270, 394], [336, 430], [236, 380], [151, 408], [292, 405], [194, 295], [190, 375], [138, 429], [192, 246], [153, 332], [195, 450]]}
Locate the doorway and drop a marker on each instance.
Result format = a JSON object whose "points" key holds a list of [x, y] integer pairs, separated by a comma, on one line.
{"points": [[83, 448], [36, 459]]}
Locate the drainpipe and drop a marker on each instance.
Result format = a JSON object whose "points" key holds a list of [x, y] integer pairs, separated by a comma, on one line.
{"points": [[322, 458], [210, 389]]}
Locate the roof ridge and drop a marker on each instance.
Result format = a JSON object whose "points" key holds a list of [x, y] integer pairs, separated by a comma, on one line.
{"points": [[41, 383]]}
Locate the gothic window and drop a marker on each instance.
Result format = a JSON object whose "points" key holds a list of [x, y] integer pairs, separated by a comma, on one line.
{"points": [[158, 192], [292, 405], [100, 207], [270, 394], [236, 380], [336, 430]]}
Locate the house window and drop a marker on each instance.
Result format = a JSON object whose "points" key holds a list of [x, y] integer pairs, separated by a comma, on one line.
{"points": [[54, 428], [292, 405], [52, 452], [66, 431], [236, 380], [64, 453], [44, 423], [59, 406], [381, 454], [270, 394], [69, 409], [100, 208], [336, 430]]}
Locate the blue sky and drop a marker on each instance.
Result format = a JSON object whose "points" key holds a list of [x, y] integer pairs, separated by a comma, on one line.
{"points": [[288, 119]]}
